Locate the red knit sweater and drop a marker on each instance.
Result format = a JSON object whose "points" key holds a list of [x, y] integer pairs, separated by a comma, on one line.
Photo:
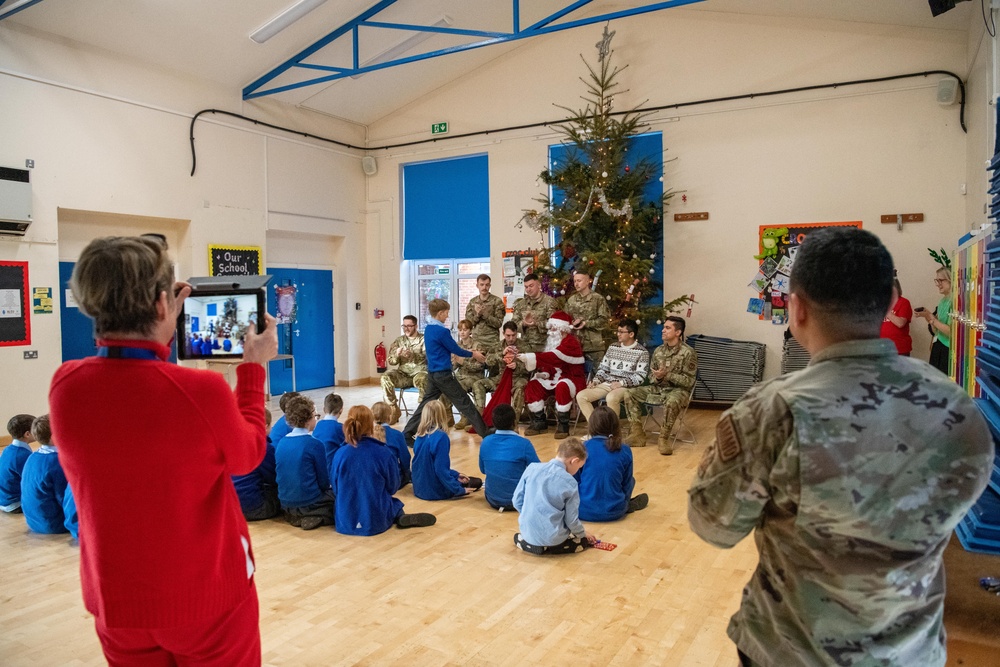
{"points": [[148, 448]]}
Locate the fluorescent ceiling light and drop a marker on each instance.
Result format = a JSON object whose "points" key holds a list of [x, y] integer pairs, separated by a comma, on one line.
{"points": [[284, 19], [15, 7], [407, 44]]}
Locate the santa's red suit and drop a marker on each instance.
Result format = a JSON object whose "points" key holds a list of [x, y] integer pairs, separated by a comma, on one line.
{"points": [[558, 370]]}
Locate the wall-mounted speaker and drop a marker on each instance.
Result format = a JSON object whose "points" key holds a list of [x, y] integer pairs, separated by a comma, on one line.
{"points": [[947, 91], [370, 166]]}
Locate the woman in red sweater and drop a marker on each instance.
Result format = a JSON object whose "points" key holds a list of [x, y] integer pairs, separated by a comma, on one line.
{"points": [[165, 560], [896, 325]]}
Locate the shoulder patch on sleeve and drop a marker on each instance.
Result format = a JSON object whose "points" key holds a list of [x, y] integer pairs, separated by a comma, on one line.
{"points": [[727, 439]]}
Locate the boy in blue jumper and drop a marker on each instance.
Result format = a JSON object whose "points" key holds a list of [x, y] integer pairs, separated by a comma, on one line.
{"points": [[549, 502], [503, 458], [43, 484], [12, 461], [258, 490], [281, 427], [303, 478], [328, 429], [394, 440], [440, 380]]}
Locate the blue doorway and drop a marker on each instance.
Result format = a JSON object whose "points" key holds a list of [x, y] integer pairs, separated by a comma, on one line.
{"points": [[77, 329], [307, 302]]}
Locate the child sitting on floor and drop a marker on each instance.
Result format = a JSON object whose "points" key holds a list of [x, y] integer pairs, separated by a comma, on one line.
{"points": [[303, 478], [12, 461], [365, 474], [258, 490], [328, 429], [433, 478], [281, 427], [549, 502], [43, 484], [606, 483], [394, 439], [503, 457]]}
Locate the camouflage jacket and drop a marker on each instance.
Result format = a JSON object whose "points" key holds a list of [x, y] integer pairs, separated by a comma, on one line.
{"points": [[681, 363], [467, 366], [854, 471], [417, 362], [486, 325], [495, 362], [533, 337], [593, 309]]}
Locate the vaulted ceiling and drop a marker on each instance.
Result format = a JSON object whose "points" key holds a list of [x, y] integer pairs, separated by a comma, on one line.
{"points": [[211, 38]]}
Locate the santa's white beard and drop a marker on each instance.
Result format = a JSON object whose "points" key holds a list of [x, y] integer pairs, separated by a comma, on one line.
{"points": [[555, 337]]}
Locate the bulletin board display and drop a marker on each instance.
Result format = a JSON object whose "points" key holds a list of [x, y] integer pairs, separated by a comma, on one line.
{"points": [[228, 260], [15, 304], [777, 247], [516, 265]]}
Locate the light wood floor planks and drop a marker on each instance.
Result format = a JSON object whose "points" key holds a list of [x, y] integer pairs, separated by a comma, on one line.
{"points": [[457, 593]]}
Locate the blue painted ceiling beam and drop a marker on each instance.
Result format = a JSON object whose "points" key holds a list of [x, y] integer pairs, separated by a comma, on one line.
{"points": [[10, 10], [543, 27]]}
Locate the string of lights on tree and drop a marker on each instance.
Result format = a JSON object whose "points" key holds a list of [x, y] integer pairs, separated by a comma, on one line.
{"points": [[601, 222]]}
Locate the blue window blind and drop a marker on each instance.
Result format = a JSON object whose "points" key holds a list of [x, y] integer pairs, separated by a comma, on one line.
{"points": [[446, 208]]}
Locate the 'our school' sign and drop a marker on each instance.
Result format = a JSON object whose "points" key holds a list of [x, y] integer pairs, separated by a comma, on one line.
{"points": [[233, 260]]}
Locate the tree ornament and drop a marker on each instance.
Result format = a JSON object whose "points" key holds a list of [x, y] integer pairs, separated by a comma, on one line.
{"points": [[608, 297], [627, 169], [604, 174], [653, 256], [652, 270], [659, 321], [591, 262]]}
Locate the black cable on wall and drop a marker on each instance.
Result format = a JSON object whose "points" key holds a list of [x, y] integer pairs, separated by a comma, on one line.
{"points": [[662, 107]]}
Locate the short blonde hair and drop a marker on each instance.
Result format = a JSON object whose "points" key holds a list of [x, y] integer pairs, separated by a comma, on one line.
{"points": [[382, 412], [118, 280], [571, 447], [434, 418], [41, 430]]}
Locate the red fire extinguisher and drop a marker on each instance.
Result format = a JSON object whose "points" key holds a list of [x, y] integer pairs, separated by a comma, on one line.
{"points": [[380, 357]]}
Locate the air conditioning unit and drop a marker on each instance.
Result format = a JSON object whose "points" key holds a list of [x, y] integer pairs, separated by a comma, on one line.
{"points": [[15, 201]]}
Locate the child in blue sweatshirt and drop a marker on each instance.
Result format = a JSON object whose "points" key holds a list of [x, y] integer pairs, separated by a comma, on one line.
{"points": [[606, 483], [395, 440], [43, 484], [258, 490], [328, 429], [503, 457], [281, 427], [303, 478], [433, 478], [365, 474], [12, 461]]}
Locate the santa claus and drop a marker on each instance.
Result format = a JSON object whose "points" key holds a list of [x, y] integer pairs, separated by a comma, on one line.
{"points": [[560, 370]]}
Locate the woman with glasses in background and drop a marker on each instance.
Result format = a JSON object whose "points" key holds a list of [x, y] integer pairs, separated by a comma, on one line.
{"points": [[939, 322]]}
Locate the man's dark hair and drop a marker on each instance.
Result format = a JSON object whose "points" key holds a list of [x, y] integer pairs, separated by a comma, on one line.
{"points": [[503, 417], [531, 276], [630, 325], [679, 321], [847, 273], [509, 326], [483, 276], [412, 318], [19, 425]]}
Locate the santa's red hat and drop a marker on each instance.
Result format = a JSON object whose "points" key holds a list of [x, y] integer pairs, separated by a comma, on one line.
{"points": [[560, 320]]}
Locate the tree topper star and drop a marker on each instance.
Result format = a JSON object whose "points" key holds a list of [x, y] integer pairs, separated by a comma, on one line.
{"points": [[604, 46]]}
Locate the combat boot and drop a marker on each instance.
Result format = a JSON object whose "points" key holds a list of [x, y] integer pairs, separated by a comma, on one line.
{"points": [[395, 414], [538, 424], [665, 444], [636, 435], [562, 427], [462, 424]]}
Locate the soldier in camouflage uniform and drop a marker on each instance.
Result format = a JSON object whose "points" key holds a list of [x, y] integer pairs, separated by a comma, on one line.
{"points": [[531, 314], [672, 374], [494, 360], [853, 471], [468, 371], [407, 353], [590, 314], [486, 312]]}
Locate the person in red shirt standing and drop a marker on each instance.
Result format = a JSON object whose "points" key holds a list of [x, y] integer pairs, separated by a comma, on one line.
{"points": [[896, 325], [148, 448]]}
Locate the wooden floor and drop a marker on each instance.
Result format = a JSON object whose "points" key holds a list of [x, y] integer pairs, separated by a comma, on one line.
{"points": [[457, 593]]}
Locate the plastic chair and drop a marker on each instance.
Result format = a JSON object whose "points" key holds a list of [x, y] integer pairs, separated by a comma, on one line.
{"points": [[679, 425]]}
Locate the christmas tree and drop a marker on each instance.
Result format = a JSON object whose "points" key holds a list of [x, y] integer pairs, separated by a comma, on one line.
{"points": [[602, 223]]}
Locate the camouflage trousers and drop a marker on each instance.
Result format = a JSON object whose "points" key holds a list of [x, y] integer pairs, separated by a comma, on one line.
{"points": [[672, 400], [486, 385], [396, 379]]}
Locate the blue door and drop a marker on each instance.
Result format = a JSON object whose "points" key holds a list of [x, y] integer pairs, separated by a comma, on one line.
{"points": [[77, 329], [307, 300]]}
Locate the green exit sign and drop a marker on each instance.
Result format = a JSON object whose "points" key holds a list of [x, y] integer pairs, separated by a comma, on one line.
{"points": [[439, 128]]}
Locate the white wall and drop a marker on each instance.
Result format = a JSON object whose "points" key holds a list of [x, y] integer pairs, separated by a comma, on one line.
{"points": [[852, 153], [109, 138]]}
